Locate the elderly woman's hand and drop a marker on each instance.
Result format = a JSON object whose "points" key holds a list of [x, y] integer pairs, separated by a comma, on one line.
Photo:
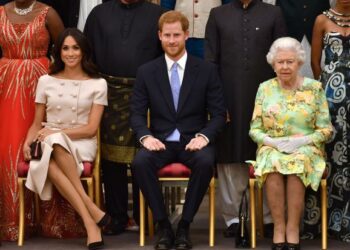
{"points": [[293, 143], [274, 142]]}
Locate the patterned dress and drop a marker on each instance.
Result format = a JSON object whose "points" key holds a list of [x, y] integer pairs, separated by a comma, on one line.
{"points": [[285, 113], [336, 82], [24, 47]]}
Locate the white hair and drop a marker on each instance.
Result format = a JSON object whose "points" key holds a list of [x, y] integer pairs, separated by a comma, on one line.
{"points": [[286, 43]]}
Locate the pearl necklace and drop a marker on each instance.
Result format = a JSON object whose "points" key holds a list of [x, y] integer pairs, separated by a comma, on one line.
{"points": [[23, 12]]}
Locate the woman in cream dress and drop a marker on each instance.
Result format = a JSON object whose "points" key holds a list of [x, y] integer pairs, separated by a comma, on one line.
{"points": [[69, 106]]}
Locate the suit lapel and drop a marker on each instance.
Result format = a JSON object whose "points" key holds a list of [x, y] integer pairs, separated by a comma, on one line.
{"points": [[164, 83], [188, 81]]}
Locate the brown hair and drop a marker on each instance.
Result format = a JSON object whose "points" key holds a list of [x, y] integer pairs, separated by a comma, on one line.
{"points": [[173, 17], [86, 63]]}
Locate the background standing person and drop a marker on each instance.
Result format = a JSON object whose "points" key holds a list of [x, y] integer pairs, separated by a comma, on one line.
{"points": [[238, 37], [300, 16], [197, 12], [332, 35], [124, 36], [26, 28]]}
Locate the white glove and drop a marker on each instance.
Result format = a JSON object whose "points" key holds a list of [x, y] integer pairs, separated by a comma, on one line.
{"points": [[293, 143], [274, 142]]}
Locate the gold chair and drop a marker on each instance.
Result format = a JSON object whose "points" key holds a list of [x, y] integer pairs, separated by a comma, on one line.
{"points": [[179, 175], [91, 177], [253, 219]]}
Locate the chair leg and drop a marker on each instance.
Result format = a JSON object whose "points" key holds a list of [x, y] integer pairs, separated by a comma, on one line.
{"points": [[150, 222], [260, 217], [324, 212], [252, 212], [142, 220], [90, 188], [212, 212], [21, 211], [37, 209], [173, 199]]}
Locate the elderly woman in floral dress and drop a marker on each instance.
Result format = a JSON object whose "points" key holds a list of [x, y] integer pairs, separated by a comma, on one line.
{"points": [[290, 124]]}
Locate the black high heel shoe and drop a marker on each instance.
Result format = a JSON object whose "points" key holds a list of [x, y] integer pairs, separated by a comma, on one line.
{"points": [[293, 246], [96, 245], [279, 246], [105, 221]]}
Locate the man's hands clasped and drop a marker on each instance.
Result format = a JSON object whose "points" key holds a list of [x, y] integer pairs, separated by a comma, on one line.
{"points": [[153, 144]]}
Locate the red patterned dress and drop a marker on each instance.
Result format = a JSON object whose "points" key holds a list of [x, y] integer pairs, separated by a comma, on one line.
{"points": [[24, 59]]}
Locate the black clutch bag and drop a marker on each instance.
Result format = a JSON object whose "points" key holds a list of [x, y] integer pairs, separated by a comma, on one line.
{"points": [[242, 234], [35, 150]]}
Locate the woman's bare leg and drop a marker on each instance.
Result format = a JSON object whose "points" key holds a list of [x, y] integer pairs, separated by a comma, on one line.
{"points": [[66, 163], [67, 190], [295, 205], [275, 192]]}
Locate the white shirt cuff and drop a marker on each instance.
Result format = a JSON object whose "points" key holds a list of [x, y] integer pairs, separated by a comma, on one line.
{"points": [[200, 134]]}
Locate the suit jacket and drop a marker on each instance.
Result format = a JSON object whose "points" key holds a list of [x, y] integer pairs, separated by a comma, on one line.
{"points": [[237, 40], [300, 15], [200, 95]]}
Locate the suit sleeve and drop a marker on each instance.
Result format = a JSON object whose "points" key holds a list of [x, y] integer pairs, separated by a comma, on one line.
{"points": [[212, 40], [280, 27], [215, 106], [139, 107]]}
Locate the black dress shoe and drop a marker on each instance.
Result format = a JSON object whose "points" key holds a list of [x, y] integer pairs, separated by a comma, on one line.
{"points": [[279, 246], [182, 239], [231, 230], [96, 245], [165, 240], [293, 246], [268, 230], [113, 227], [105, 221]]}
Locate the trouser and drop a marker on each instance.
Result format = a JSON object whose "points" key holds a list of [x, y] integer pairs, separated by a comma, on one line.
{"points": [[147, 163], [115, 181], [233, 180]]}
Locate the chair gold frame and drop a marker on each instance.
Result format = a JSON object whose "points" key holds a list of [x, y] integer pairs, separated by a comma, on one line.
{"points": [[259, 217], [150, 217], [93, 185]]}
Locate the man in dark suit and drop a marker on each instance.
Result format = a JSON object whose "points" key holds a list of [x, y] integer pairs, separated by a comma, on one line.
{"points": [[179, 91], [238, 37]]}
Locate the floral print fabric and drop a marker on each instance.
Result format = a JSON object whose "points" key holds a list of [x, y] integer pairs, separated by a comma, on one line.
{"points": [[286, 113]]}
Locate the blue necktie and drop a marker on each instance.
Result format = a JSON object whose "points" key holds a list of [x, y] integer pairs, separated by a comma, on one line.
{"points": [[175, 89], [175, 84]]}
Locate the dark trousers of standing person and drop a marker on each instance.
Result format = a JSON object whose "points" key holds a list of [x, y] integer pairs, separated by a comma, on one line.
{"points": [[115, 181], [147, 163]]}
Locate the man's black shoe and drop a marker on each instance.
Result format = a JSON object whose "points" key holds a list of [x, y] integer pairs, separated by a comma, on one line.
{"points": [[115, 227], [231, 230], [182, 239], [268, 230], [165, 240]]}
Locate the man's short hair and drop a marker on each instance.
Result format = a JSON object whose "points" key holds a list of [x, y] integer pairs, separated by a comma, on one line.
{"points": [[173, 16]]}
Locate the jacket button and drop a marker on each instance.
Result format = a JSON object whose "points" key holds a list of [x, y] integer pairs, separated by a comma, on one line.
{"points": [[58, 107], [74, 108], [73, 121]]}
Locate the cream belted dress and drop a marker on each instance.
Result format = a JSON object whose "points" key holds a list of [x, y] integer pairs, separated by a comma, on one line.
{"points": [[68, 104]]}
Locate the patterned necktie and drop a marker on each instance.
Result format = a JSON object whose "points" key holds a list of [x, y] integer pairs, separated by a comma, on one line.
{"points": [[175, 84]]}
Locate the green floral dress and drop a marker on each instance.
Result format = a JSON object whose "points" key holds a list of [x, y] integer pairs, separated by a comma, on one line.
{"points": [[285, 113]]}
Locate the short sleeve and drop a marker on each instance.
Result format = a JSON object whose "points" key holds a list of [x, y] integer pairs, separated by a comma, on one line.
{"points": [[100, 96], [40, 96]]}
